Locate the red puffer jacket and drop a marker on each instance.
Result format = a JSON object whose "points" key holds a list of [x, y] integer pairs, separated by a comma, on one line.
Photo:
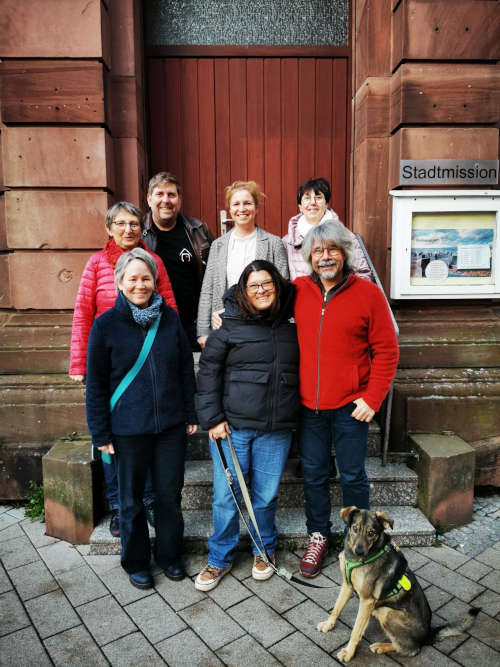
{"points": [[97, 294]]}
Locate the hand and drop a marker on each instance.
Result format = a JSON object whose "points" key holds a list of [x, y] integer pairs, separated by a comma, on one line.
{"points": [[201, 341], [107, 449], [77, 378], [191, 429], [219, 431], [216, 319], [362, 412]]}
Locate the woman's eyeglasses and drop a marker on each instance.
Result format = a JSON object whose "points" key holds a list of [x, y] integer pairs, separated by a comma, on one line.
{"points": [[266, 286], [123, 225]]}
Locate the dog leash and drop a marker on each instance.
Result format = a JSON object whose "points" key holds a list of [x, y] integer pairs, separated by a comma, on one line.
{"points": [[281, 571]]}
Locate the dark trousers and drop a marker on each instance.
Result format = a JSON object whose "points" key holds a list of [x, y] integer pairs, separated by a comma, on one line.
{"points": [[350, 438], [164, 453]]}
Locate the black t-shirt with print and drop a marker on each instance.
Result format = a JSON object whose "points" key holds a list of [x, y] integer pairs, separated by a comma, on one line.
{"points": [[177, 254]]}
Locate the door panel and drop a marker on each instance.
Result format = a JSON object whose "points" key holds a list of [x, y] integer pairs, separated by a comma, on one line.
{"points": [[275, 120]]}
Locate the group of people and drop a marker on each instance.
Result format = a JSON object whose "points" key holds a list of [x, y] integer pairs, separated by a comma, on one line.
{"points": [[316, 355]]}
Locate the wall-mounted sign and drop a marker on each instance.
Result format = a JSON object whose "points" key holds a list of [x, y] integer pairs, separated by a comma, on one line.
{"points": [[445, 244], [448, 172]]}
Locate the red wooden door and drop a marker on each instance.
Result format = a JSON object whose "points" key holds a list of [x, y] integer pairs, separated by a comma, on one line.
{"points": [[278, 121]]}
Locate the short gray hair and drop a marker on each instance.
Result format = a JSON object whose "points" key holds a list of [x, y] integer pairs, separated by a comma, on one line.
{"points": [[331, 230], [122, 206], [127, 257]]}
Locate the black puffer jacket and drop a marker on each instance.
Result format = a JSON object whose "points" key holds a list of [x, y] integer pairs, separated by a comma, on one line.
{"points": [[249, 371]]}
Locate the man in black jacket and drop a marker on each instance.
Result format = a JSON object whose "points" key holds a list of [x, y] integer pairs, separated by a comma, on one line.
{"points": [[182, 243]]}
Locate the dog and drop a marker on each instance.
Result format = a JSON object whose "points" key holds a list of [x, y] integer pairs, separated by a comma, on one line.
{"points": [[376, 570]]}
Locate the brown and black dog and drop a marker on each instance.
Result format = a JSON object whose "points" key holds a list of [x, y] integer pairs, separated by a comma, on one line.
{"points": [[376, 570]]}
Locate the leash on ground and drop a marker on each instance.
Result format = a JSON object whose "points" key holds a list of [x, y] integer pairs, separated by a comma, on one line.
{"points": [[281, 571]]}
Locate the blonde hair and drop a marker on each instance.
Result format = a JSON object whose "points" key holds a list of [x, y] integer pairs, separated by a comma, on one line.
{"points": [[250, 186]]}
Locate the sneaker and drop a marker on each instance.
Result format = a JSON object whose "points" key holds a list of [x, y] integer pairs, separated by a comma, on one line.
{"points": [[261, 570], [114, 524], [317, 546], [210, 577], [150, 514]]}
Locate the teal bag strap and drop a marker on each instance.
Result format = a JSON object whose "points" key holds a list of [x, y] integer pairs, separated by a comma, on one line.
{"points": [[139, 363]]}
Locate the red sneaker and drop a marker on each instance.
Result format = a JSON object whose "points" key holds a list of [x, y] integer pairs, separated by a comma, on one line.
{"points": [[316, 549]]}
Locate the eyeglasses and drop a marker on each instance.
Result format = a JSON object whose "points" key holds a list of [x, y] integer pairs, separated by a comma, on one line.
{"points": [[266, 286], [123, 225], [330, 249], [307, 199]]}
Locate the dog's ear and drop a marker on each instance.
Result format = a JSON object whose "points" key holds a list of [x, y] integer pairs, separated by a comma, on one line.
{"points": [[347, 513], [385, 520]]}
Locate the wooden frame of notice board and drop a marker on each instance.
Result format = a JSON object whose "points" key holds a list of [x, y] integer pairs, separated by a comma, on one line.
{"points": [[445, 244]]}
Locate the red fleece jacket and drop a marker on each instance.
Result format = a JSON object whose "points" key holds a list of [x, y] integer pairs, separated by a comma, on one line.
{"points": [[335, 342]]}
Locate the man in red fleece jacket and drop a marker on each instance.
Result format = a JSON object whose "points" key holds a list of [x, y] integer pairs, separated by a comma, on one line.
{"points": [[348, 359]]}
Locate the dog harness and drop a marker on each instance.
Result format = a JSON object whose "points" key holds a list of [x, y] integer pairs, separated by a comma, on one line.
{"points": [[402, 580]]}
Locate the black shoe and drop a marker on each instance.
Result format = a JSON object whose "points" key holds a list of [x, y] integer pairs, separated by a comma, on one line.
{"points": [[114, 524], [176, 571], [150, 514], [141, 579]]}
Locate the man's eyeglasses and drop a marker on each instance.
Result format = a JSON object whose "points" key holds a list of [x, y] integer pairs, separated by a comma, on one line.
{"points": [[123, 225], [266, 286], [330, 249]]}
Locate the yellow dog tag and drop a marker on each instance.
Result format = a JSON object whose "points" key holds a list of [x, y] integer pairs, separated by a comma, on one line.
{"points": [[405, 582]]}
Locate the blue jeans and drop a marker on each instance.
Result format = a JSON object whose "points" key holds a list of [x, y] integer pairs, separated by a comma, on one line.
{"points": [[350, 438], [164, 454], [262, 456], [111, 486]]}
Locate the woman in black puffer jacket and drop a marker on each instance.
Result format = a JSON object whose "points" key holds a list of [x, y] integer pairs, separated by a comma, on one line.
{"points": [[248, 386]]}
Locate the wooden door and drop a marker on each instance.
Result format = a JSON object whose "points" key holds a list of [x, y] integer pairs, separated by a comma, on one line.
{"points": [[278, 121]]}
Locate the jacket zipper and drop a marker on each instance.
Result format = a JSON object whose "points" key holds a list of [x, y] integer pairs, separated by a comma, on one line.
{"points": [[153, 383], [276, 375], [316, 411]]}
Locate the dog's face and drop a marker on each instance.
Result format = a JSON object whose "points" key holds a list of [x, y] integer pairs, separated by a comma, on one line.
{"points": [[365, 528]]}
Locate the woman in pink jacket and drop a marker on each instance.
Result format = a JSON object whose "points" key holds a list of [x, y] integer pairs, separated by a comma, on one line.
{"points": [[97, 294]]}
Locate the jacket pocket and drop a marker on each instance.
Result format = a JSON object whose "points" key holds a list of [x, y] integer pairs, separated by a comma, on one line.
{"points": [[247, 396], [289, 401]]}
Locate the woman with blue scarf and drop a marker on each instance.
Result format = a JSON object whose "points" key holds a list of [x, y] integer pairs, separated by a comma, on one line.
{"points": [[144, 424]]}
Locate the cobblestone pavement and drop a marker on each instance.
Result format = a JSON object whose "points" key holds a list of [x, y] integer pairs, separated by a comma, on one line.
{"points": [[61, 606]]}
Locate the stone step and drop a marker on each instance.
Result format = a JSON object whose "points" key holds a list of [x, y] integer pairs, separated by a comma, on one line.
{"points": [[394, 484], [411, 528]]}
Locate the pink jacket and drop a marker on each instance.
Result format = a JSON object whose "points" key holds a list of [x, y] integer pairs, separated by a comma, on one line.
{"points": [[96, 294], [299, 267]]}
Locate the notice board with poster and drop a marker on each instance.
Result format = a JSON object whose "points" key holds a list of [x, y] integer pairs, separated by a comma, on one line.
{"points": [[445, 244]]}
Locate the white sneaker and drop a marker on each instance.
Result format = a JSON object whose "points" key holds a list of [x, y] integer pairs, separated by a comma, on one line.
{"points": [[262, 570], [210, 577]]}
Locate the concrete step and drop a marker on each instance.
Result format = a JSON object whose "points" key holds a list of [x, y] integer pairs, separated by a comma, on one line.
{"points": [[394, 484], [411, 528]]}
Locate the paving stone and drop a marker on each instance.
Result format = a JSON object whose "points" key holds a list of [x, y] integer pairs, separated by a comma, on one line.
{"points": [[102, 564], [51, 613], [473, 652], [242, 565], [260, 621], [131, 651], [193, 563], [83, 549], [489, 601], [276, 592], [229, 592], [61, 557], [23, 649], [333, 572], [437, 597], [12, 614], [306, 616], [118, 583], [33, 580], [444, 555], [5, 584], [298, 650], [246, 652], [490, 557], [415, 558], [325, 595], [10, 530], [288, 559], [365, 658], [81, 585], [105, 620], [487, 629], [7, 521], [427, 656], [154, 618], [178, 594], [17, 512], [448, 645], [212, 624], [74, 647], [186, 650], [17, 552], [450, 581], [35, 530], [492, 580], [474, 570]]}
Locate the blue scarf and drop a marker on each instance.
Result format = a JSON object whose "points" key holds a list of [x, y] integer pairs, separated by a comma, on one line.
{"points": [[144, 316]]}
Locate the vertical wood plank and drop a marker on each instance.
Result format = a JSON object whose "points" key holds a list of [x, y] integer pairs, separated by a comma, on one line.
{"points": [[238, 118], [324, 104], [307, 125], [255, 123], [208, 203], [339, 138], [222, 137], [157, 107], [191, 136], [290, 123], [272, 148]]}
